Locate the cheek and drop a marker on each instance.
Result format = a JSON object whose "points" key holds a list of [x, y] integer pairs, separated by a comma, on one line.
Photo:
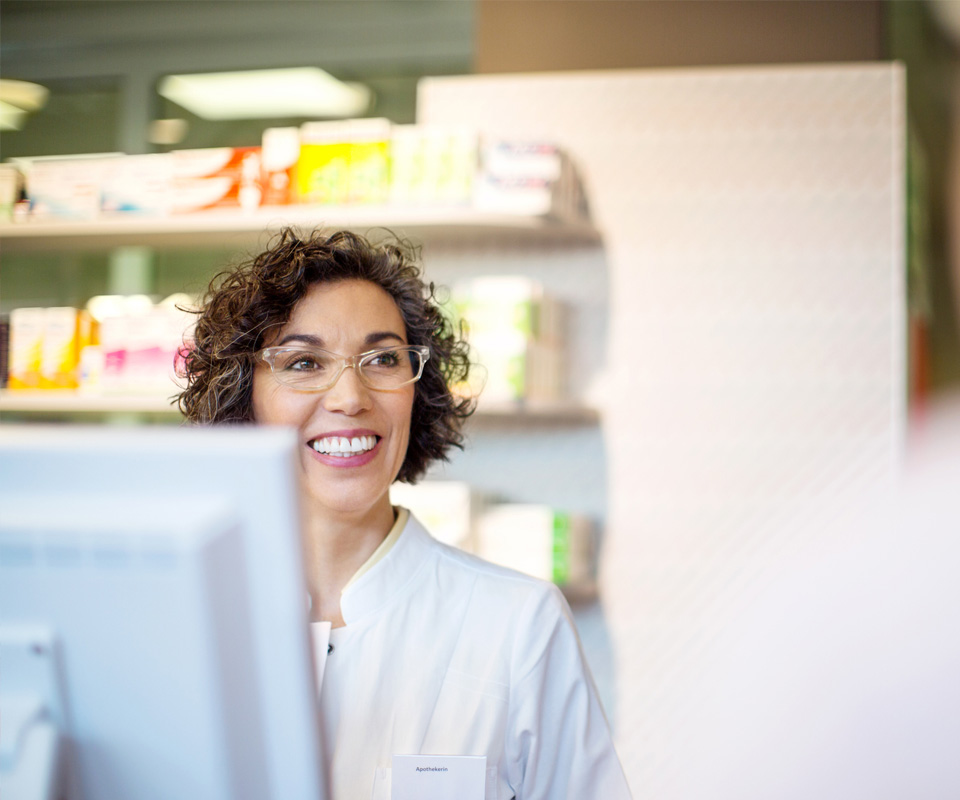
{"points": [[403, 414], [270, 405], [408, 409]]}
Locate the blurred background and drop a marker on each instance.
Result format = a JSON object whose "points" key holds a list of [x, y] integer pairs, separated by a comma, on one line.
{"points": [[761, 285], [103, 62]]}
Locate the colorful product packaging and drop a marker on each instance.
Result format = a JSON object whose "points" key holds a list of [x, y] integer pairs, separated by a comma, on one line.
{"points": [[450, 165], [514, 328], [432, 165], [26, 347], [344, 162], [215, 178], [369, 172], [114, 338], [535, 178], [407, 172], [141, 184], [65, 332], [45, 345], [140, 344], [280, 151], [66, 188], [323, 168], [547, 543]]}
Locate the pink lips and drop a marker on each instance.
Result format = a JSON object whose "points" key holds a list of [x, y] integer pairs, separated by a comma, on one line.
{"points": [[344, 462]]}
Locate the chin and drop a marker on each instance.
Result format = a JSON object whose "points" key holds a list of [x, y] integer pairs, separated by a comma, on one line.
{"points": [[348, 502]]}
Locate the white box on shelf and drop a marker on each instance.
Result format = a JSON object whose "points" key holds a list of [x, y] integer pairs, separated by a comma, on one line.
{"points": [[11, 185], [514, 329], [535, 178], [450, 164], [407, 175], [541, 541], [447, 509], [141, 184], [67, 188], [279, 152], [522, 159]]}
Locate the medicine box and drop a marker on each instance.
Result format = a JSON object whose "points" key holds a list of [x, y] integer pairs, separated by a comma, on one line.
{"points": [[541, 541], [26, 347], [66, 188], [215, 178], [280, 151], [141, 185], [323, 176]]}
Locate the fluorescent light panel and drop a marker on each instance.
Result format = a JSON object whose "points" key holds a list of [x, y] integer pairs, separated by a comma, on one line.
{"points": [[11, 117], [266, 94], [17, 99]]}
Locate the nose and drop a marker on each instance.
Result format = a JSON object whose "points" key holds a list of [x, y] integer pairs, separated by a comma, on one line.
{"points": [[348, 395]]}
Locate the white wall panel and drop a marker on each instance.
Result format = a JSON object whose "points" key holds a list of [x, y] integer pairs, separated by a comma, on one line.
{"points": [[754, 353]]}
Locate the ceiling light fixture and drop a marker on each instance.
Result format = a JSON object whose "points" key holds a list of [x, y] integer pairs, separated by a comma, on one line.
{"points": [[266, 94], [17, 99]]}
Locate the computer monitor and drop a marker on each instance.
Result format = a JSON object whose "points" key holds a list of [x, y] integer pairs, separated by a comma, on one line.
{"points": [[153, 616]]}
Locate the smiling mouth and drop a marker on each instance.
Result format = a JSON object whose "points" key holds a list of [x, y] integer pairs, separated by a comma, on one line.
{"points": [[344, 447]]}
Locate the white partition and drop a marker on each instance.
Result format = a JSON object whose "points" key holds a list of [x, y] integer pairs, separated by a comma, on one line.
{"points": [[752, 365]]}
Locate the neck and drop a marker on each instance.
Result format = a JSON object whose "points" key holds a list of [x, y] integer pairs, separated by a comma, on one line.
{"points": [[336, 545]]}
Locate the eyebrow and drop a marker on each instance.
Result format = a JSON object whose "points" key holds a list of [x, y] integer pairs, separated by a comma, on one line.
{"points": [[315, 341]]}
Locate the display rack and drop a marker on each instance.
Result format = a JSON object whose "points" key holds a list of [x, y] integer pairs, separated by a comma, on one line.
{"points": [[72, 403], [235, 228], [238, 229]]}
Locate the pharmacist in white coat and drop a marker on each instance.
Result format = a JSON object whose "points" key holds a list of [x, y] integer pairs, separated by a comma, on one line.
{"points": [[475, 669]]}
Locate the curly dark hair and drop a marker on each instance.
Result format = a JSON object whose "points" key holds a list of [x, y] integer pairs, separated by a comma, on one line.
{"points": [[242, 305]]}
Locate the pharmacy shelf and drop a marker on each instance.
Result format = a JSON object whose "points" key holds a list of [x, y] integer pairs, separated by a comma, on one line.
{"points": [[239, 229], [72, 403], [525, 413]]}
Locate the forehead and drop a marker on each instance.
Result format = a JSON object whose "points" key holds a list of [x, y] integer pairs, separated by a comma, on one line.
{"points": [[346, 307]]}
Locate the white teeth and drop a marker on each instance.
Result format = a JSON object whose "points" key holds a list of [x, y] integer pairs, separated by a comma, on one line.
{"points": [[341, 446]]}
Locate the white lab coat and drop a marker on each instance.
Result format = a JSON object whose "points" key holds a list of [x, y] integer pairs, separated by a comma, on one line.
{"points": [[445, 654]]}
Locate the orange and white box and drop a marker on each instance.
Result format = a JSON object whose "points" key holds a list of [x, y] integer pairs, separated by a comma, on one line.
{"points": [[216, 177], [279, 154]]}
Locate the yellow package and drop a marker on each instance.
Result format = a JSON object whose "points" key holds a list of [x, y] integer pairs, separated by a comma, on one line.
{"points": [[60, 352], [323, 169], [369, 161], [26, 347]]}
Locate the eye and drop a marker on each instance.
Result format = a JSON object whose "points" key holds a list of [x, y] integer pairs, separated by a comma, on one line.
{"points": [[387, 358], [302, 362]]}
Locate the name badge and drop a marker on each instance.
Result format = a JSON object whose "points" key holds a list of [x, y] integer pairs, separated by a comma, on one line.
{"points": [[439, 778]]}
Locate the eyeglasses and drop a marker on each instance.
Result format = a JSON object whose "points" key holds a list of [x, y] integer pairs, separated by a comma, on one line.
{"points": [[310, 369]]}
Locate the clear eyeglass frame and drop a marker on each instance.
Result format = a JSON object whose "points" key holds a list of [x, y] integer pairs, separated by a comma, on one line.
{"points": [[300, 379]]}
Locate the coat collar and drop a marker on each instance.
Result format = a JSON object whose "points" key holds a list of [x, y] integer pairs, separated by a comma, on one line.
{"points": [[392, 576]]}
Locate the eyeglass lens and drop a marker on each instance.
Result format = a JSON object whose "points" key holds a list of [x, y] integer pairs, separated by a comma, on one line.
{"points": [[316, 369]]}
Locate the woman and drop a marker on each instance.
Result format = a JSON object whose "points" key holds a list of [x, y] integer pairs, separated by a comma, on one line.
{"points": [[433, 651]]}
